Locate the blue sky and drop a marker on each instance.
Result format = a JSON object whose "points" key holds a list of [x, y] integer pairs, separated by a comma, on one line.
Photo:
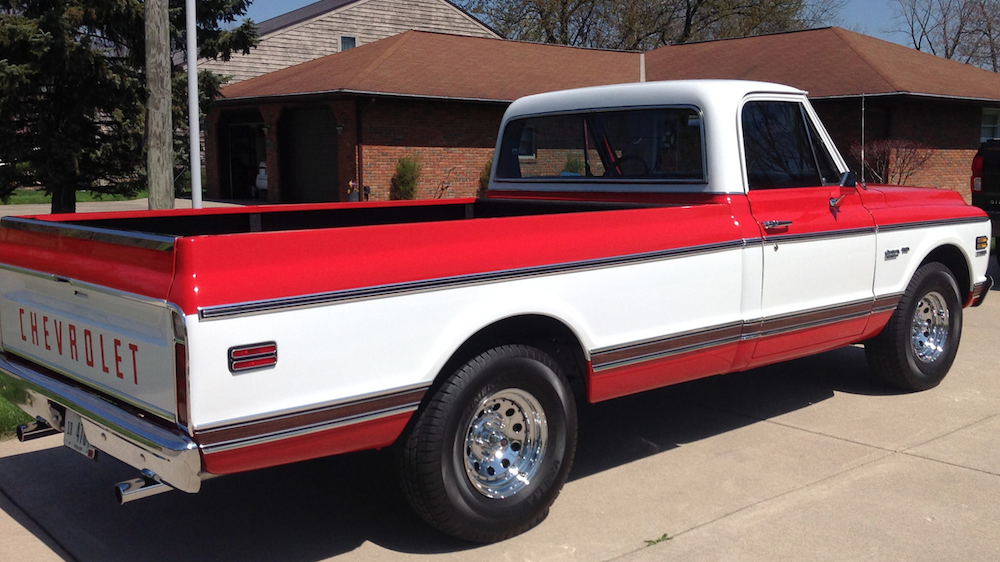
{"points": [[871, 17]]}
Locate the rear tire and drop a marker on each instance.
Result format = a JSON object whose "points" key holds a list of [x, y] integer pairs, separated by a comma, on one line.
{"points": [[489, 452], [918, 345]]}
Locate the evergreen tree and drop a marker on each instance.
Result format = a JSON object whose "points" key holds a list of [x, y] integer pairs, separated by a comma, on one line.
{"points": [[72, 77]]}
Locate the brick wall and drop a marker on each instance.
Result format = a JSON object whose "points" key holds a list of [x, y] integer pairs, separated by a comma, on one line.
{"points": [[947, 169], [452, 139], [950, 130]]}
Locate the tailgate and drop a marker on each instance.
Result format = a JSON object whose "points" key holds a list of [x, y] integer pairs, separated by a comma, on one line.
{"points": [[69, 302]]}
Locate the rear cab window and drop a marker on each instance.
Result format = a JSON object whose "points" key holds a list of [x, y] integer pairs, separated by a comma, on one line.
{"points": [[648, 145]]}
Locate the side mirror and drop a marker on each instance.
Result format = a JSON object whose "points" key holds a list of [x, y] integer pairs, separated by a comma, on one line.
{"points": [[849, 179]]}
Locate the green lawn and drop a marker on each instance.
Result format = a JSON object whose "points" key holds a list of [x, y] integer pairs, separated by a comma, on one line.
{"points": [[10, 417], [22, 196]]}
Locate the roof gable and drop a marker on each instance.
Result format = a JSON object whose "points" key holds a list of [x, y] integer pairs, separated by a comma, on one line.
{"points": [[438, 65], [323, 7]]}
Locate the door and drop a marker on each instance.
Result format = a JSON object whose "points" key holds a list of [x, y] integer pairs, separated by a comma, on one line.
{"points": [[309, 156], [819, 241]]}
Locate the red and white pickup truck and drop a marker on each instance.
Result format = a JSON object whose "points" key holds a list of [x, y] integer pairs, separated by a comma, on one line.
{"points": [[634, 236]]}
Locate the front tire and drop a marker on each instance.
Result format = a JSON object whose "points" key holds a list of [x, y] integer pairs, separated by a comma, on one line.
{"points": [[918, 345], [489, 452]]}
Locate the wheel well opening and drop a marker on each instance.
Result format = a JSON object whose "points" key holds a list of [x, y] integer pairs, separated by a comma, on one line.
{"points": [[952, 258], [544, 332]]}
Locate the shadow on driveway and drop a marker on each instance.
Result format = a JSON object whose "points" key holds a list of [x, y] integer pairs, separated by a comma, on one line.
{"points": [[318, 509]]}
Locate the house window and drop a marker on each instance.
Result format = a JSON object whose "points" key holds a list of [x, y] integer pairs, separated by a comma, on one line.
{"points": [[347, 42], [991, 123], [526, 148]]}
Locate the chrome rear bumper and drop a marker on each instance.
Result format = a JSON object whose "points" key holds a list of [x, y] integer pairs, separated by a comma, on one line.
{"points": [[172, 457]]}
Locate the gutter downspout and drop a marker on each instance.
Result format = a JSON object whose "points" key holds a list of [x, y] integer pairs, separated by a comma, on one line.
{"points": [[642, 67]]}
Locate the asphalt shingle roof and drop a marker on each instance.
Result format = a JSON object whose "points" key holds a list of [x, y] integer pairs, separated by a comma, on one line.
{"points": [[427, 64], [826, 62]]}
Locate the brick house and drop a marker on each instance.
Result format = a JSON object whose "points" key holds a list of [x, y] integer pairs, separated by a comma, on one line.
{"points": [[333, 26], [348, 117]]}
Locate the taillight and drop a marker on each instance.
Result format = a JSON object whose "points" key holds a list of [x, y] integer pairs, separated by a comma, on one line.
{"points": [[251, 357], [181, 370], [977, 174]]}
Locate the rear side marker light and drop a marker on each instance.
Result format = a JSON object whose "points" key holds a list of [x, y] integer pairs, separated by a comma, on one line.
{"points": [[982, 242], [977, 174], [246, 358]]}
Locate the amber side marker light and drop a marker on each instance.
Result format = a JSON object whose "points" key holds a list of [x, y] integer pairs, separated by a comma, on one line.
{"points": [[982, 242], [251, 357]]}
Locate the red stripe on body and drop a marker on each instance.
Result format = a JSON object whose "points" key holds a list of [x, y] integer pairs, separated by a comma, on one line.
{"points": [[125, 268], [373, 434], [630, 379]]}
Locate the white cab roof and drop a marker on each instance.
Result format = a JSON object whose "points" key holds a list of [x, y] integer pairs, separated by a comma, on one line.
{"points": [[705, 94]]}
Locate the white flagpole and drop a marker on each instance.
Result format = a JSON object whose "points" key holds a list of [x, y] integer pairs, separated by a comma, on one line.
{"points": [[194, 125]]}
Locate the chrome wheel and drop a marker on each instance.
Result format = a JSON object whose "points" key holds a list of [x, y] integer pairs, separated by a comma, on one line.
{"points": [[505, 443], [930, 327]]}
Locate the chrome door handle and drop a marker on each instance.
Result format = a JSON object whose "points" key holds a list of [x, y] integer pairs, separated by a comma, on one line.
{"points": [[770, 225], [835, 201]]}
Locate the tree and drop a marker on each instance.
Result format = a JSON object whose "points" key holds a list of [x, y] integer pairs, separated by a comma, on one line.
{"points": [[892, 161], [72, 113], [967, 31], [646, 24]]}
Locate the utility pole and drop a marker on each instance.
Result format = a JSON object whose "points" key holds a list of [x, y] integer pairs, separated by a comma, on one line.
{"points": [[159, 131]]}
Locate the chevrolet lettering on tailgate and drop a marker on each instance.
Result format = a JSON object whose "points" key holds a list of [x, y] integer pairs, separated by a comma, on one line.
{"points": [[50, 333]]}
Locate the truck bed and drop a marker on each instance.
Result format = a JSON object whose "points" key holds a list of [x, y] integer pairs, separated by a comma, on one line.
{"points": [[305, 217]]}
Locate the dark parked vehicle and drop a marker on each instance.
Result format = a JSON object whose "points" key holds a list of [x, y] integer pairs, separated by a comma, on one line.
{"points": [[986, 181]]}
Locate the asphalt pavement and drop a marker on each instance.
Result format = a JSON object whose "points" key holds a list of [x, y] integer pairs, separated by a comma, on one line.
{"points": [[803, 461]]}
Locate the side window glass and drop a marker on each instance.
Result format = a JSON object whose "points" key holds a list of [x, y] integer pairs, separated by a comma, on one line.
{"points": [[827, 169], [662, 144], [779, 151]]}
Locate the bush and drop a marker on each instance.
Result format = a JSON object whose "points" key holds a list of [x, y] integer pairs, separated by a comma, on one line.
{"points": [[484, 178], [573, 165], [404, 181]]}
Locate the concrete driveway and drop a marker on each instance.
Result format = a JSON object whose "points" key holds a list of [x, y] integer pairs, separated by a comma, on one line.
{"points": [[101, 206], [806, 460]]}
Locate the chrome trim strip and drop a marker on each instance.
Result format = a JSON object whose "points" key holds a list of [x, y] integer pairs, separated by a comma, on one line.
{"points": [[458, 281], [157, 242], [824, 235], [938, 222], [134, 441], [796, 321], [660, 348], [315, 428], [247, 434], [886, 303], [653, 349], [312, 409]]}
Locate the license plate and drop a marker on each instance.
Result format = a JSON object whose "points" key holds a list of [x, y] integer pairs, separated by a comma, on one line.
{"points": [[75, 438]]}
